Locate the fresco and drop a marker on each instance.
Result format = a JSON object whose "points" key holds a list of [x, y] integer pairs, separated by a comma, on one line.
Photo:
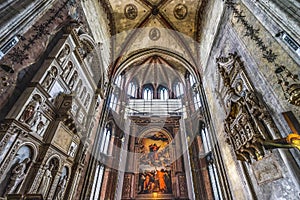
{"points": [[154, 164]]}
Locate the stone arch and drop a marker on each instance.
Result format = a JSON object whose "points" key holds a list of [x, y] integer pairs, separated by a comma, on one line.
{"points": [[18, 168]]}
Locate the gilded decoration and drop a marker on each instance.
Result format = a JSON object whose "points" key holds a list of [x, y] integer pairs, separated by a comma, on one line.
{"points": [[130, 11], [180, 11], [248, 122]]}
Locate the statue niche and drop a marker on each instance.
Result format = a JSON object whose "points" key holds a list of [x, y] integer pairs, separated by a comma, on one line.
{"points": [[17, 171], [30, 113], [47, 179]]}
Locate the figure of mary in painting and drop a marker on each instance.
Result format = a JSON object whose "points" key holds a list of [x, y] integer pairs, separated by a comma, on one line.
{"points": [[153, 151]]}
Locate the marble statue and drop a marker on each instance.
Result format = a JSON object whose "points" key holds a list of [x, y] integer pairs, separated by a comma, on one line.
{"points": [[63, 54], [29, 112], [18, 175], [46, 181], [61, 187]]}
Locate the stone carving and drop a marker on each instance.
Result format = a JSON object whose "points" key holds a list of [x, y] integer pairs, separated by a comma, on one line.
{"points": [[130, 11], [49, 79], [63, 54], [61, 188], [154, 34], [10, 157], [67, 70], [248, 122], [73, 80], [126, 186], [87, 100], [78, 87], [267, 170], [83, 92], [18, 175], [46, 181], [180, 11], [29, 114]]}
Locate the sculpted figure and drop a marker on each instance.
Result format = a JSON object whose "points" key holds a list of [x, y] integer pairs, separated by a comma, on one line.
{"points": [[29, 112], [18, 174], [46, 181], [61, 187], [67, 70], [73, 80], [63, 54], [49, 78]]}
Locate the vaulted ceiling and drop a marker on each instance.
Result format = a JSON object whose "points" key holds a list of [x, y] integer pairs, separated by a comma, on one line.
{"points": [[170, 25]]}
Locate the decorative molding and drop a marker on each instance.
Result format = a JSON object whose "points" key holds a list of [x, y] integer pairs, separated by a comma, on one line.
{"points": [[180, 11], [288, 81]]}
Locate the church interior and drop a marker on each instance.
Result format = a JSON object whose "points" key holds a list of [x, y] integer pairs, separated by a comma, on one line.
{"points": [[149, 99]]}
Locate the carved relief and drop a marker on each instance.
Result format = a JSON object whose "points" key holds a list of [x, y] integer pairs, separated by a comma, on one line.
{"points": [[130, 11], [30, 112], [154, 34], [67, 69], [63, 54], [48, 178], [18, 175], [267, 170], [126, 186], [73, 80], [49, 79], [248, 122], [180, 11]]}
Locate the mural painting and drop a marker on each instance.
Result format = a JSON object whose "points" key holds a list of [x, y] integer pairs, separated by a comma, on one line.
{"points": [[154, 164]]}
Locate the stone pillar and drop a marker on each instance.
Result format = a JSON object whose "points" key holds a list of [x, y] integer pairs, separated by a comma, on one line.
{"points": [[105, 181], [111, 145]]}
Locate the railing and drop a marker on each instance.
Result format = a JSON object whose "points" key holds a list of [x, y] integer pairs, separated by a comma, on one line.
{"points": [[155, 107]]}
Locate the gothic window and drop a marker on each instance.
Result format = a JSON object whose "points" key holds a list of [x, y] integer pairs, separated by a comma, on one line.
{"points": [[113, 102], [192, 80], [104, 144], [118, 81], [178, 88], [148, 93], [96, 188], [132, 89], [197, 101], [163, 92], [212, 170]]}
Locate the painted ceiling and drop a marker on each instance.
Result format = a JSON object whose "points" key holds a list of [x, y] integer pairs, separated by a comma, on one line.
{"points": [[171, 25]]}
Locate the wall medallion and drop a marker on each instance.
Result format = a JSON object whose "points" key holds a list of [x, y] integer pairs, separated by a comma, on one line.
{"points": [[130, 11], [180, 11], [154, 34]]}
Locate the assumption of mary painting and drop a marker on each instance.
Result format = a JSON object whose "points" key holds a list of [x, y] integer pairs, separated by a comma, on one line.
{"points": [[155, 169]]}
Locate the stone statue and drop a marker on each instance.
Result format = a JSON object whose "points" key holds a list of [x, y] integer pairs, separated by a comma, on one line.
{"points": [[73, 80], [46, 181], [67, 70], [40, 128], [61, 188], [18, 175], [63, 54], [49, 78], [29, 112]]}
